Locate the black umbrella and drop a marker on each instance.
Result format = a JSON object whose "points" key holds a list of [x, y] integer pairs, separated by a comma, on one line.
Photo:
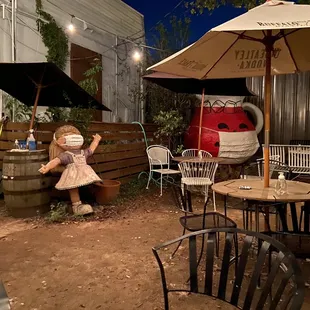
{"points": [[220, 87], [44, 84]]}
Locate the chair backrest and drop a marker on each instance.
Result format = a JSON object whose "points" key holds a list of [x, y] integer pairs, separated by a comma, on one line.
{"points": [[198, 169], [259, 261], [195, 153], [4, 299], [158, 154], [299, 158], [272, 165]]}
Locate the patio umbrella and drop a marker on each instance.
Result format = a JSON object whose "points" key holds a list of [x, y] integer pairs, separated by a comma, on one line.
{"points": [[181, 84], [270, 39], [44, 84]]}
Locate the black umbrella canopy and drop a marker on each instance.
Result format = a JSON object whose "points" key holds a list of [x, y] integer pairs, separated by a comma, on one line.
{"points": [[22, 81], [180, 84]]}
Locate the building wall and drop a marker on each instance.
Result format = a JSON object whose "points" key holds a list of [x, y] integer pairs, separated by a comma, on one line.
{"points": [[290, 107], [108, 23]]}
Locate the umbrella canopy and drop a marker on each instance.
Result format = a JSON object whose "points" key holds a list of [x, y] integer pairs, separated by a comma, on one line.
{"points": [[179, 84], [272, 38], [237, 47], [22, 80]]}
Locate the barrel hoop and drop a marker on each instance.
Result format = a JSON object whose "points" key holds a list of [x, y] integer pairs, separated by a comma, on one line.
{"points": [[23, 177], [26, 161], [24, 193]]}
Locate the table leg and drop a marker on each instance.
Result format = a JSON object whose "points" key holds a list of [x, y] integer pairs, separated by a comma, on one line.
{"points": [[257, 218], [225, 206], [267, 222], [294, 217], [306, 216]]}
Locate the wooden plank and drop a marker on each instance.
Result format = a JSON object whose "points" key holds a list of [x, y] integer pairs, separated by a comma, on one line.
{"points": [[100, 158], [93, 126], [124, 172], [39, 136], [125, 136], [16, 126], [4, 145], [111, 148], [121, 127], [119, 164]]}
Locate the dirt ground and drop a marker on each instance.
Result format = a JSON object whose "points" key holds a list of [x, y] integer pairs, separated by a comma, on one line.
{"points": [[95, 264]]}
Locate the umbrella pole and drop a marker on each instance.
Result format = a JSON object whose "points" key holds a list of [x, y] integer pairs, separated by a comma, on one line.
{"points": [[200, 120], [269, 46], [35, 106]]}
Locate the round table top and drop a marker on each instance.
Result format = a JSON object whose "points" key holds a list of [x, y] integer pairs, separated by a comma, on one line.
{"points": [[296, 191], [197, 159]]}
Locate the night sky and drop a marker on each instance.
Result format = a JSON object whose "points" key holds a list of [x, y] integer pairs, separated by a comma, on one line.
{"points": [[155, 11]]}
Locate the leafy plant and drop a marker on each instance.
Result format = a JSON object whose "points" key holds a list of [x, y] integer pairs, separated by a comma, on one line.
{"points": [[12, 106], [171, 127], [90, 84], [53, 36]]}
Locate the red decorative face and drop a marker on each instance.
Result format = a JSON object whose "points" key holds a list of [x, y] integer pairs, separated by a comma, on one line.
{"points": [[216, 119]]}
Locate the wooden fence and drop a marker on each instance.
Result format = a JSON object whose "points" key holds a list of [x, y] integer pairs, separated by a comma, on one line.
{"points": [[121, 154]]}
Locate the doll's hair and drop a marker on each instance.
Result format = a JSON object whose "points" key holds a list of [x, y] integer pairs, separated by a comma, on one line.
{"points": [[54, 148]]}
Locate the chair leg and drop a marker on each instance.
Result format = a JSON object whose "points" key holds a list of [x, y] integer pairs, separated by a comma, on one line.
{"points": [[301, 217], [214, 202], [182, 188], [161, 184], [149, 180], [179, 244], [243, 219], [201, 251]]}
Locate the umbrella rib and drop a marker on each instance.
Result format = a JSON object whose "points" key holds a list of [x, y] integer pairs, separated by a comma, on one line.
{"points": [[223, 55], [244, 37], [291, 53]]}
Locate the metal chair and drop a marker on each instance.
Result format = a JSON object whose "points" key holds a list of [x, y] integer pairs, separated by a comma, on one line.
{"points": [[192, 221], [159, 161], [196, 173], [195, 153], [250, 206], [294, 235], [261, 261], [4, 299]]}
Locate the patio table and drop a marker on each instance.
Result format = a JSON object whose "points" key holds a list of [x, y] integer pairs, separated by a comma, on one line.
{"points": [[296, 192]]}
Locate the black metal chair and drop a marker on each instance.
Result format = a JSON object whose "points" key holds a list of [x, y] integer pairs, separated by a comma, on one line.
{"points": [[262, 262], [292, 234], [4, 299], [197, 221]]}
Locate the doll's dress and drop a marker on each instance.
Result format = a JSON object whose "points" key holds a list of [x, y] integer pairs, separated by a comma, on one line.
{"points": [[77, 173]]}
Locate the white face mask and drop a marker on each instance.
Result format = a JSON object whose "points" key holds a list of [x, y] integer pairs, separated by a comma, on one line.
{"points": [[74, 140]]}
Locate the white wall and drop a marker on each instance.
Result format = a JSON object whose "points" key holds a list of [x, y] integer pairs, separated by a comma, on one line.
{"points": [[119, 21]]}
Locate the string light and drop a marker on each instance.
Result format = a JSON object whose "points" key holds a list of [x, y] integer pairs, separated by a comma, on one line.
{"points": [[137, 56], [71, 27]]}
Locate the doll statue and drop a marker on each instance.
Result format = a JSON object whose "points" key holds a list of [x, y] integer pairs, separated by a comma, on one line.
{"points": [[66, 149]]}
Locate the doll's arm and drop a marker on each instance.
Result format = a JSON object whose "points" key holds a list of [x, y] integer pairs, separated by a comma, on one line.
{"points": [[50, 165], [95, 143]]}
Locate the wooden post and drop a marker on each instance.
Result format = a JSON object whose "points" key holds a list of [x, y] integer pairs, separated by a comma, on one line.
{"points": [[269, 47], [200, 120], [35, 106]]}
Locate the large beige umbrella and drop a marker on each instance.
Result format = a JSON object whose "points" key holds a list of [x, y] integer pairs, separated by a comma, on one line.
{"points": [[270, 39]]}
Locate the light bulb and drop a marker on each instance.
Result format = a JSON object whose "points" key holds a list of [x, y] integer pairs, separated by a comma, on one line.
{"points": [[71, 28], [137, 56]]}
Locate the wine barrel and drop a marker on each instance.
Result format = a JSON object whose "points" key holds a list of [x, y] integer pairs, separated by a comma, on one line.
{"points": [[26, 190]]}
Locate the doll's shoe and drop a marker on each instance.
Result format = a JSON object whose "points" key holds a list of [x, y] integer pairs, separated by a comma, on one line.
{"points": [[82, 209]]}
